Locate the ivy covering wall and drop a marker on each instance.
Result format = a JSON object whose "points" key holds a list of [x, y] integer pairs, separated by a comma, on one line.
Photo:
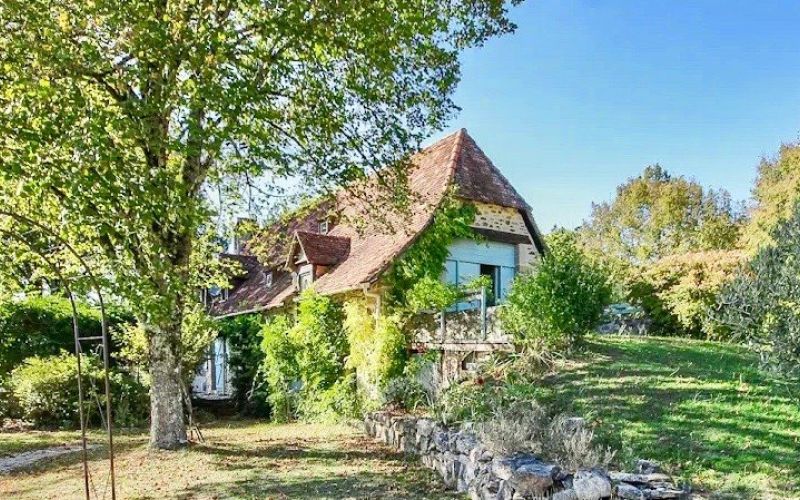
{"points": [[337, 356], [305, 362], [245, 357]]}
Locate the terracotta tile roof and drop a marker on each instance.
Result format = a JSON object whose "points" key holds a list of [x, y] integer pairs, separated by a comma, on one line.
{"points": [[454, 160], [322, 249], [479, 180], [253, 292]]}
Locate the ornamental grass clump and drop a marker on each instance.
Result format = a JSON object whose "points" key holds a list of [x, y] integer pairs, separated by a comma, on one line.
{"points": [[525, 427]]}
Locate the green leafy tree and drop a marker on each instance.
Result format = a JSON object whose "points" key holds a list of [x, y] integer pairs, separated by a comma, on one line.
{"points": [[562, 300], [776, 190], [679, 292], [115, 115], [762, 304], [655, 215]]}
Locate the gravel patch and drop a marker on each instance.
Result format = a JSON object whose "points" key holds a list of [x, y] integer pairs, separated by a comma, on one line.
{"points": [[29, 458]]}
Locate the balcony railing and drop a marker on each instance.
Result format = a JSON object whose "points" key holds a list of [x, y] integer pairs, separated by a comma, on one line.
{"points": [[472, 324]]}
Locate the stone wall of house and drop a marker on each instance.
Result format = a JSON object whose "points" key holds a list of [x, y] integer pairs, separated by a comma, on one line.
{"points": [[468, 466], [507, 220]]}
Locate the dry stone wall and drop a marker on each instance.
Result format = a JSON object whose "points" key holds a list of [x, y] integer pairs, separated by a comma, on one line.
{"points": [[467, 466]]}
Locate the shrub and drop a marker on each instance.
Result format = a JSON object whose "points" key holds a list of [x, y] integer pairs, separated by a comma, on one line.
{"points": [[558, 303], [678, 292], [336, 402], [570, 443], [47, 392], [9, 405], [404, 393], [304, 362], [377, 347], [468, 401], [245, 358], [280, 368], [761, 305], [42, 326], [515, 429]]}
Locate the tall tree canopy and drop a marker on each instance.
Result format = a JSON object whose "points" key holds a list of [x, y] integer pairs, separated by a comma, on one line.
{"points": [[656, 214], [775, 193], [115, 115]]}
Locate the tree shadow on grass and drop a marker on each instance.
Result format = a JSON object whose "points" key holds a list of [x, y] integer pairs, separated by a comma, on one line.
{"points": [[316, 468], [287, 451], [358, 485], [693, 405]]}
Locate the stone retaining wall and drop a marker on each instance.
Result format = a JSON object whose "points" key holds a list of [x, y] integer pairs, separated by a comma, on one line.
{"points": [[468, 466]]}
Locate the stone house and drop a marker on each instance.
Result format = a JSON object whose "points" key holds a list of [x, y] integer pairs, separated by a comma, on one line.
{"points": [[321, 247]]}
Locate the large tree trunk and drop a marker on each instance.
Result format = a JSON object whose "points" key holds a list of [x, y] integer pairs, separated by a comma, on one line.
{"points": [[167, 424]]}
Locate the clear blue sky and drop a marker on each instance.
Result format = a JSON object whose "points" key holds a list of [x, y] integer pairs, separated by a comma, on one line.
{"points": [[588, 92]]}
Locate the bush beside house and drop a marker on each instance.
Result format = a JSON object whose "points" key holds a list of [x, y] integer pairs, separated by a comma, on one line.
{"points": [[46, 393], [562, 300], [304, 362]]}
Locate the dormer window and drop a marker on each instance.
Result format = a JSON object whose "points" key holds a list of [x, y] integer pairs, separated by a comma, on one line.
{"points": [[323, 227], [268, 278]]}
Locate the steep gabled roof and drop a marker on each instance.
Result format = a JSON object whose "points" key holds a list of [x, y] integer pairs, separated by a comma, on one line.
{"points": [[479, 180], [454, 161], [321, 249]]}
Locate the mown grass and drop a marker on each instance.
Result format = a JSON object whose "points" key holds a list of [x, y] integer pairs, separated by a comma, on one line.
{"points": [[703, 409], [240, 459]]}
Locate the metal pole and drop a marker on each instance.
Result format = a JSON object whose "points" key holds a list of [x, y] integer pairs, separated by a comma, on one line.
{"points": [[109, 419], [78, 353], [483, 313]]}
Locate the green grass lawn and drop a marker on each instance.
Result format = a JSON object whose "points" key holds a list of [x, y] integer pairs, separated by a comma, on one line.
{"points": [[240, 459], [703, 409]]}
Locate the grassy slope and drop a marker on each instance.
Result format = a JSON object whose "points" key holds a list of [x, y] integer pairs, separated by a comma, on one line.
{"points": [[701, 408], [239, 460]]}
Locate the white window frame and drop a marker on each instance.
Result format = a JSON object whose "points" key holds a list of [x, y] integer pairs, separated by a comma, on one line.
{"points": [[307, 274]]}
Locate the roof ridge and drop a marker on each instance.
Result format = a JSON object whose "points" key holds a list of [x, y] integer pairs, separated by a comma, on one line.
{"points": [[455, 154], [312, 233]]}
